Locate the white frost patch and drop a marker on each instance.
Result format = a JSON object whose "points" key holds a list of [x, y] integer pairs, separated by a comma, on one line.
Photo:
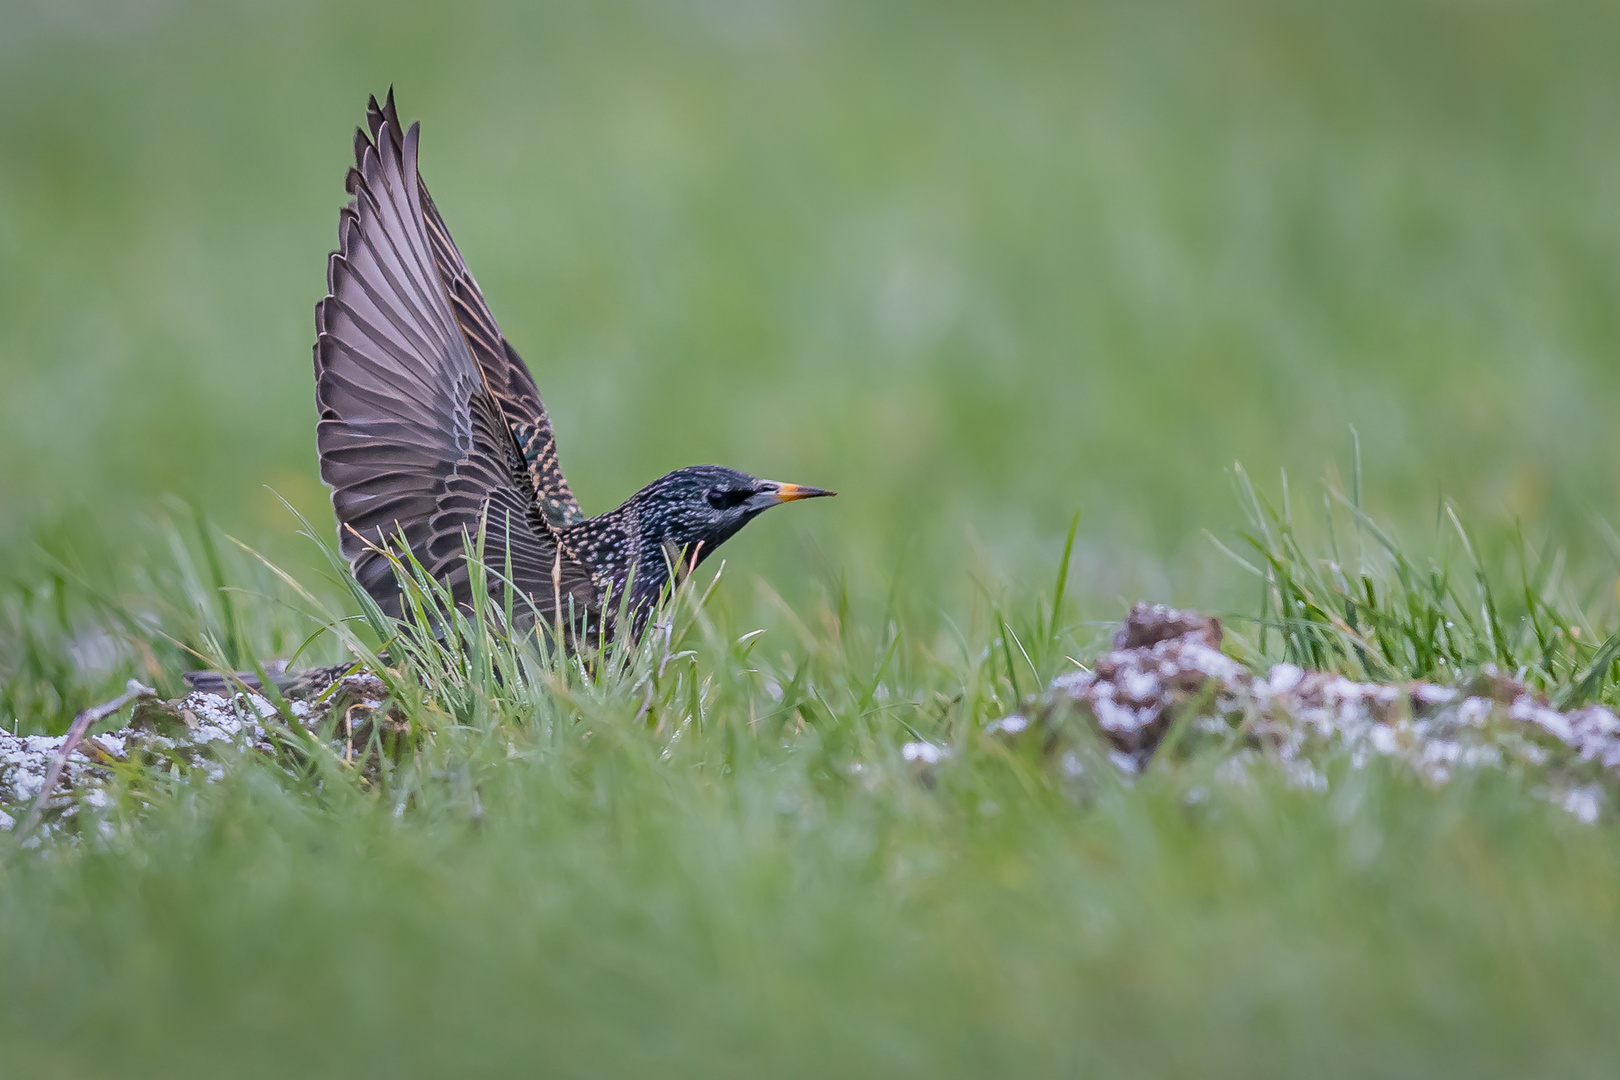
{"points": [[924, 753], [1141, 684], [1283, 678], [1008, 725], [1123, 762], [1429, 694], [191, 726], [1527, 710], [1584, 802]]}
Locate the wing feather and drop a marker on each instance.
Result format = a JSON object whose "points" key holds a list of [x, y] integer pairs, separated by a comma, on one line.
{"points": [[504, 371], [412, 441]]}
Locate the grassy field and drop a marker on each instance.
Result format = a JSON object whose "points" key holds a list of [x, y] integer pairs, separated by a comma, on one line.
{"points": [[976, 268]]}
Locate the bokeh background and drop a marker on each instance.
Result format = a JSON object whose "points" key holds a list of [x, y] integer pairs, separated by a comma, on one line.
{"points": [[977, 266]]}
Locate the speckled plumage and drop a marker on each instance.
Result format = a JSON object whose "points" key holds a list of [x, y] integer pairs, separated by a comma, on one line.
{"points": [[431, 426]]}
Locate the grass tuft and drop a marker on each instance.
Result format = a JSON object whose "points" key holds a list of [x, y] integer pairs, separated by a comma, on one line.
{"points": [[1353, 600]]}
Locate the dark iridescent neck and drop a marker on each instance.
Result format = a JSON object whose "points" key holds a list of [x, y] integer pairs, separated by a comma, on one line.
{"points": [[615, 549]]}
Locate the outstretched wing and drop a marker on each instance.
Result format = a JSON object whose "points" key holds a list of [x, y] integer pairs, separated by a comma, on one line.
{"points": [[412, 441], [505, 373]]}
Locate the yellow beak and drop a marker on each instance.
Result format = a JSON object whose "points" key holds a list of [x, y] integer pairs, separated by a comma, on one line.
{"points": [[793, 492]]}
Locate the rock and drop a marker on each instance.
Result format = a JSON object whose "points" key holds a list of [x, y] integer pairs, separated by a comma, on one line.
{"points": [[1166, 666]]}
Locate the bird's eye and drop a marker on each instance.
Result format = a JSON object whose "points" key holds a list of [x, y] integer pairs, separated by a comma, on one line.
{"points": [[726, 498]]}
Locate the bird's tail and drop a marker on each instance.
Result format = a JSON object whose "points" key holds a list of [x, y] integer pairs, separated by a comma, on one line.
{"points": [[291, 684]]}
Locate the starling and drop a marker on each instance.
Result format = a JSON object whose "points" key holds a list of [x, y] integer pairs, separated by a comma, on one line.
{"points": [[431, 427]]}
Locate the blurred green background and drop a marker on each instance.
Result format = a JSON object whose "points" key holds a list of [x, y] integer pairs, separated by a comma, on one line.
{"points": [[974, 265]]}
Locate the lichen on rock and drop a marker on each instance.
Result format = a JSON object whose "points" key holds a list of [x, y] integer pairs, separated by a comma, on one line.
{"points": [[184, 734], [1167, 667]]}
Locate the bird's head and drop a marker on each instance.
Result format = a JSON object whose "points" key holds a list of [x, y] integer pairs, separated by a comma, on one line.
{"points": [[698, 508]]}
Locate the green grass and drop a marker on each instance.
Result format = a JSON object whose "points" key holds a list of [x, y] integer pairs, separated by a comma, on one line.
{"points": [[706, 854], [665, 863], [1363, 606], [975, 268]]}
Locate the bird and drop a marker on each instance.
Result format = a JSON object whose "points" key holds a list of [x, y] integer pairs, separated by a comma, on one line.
{"points": [[432, 433]]}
